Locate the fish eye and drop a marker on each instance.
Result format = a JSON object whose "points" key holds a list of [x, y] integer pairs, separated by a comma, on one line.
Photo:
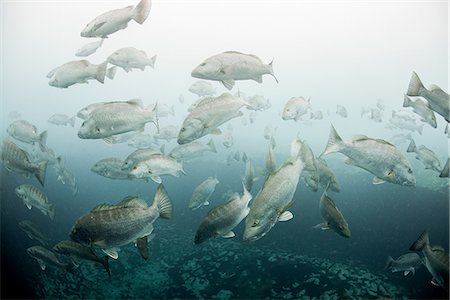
{"points": [[183, 129], [202, 64], [255, 223], [97, 129], [409, 171]]}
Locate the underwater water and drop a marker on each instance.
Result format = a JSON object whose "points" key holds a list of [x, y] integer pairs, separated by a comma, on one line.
{"points": [[344, 53]]}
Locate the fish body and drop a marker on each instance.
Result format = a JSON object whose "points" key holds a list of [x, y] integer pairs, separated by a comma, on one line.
{"points": [[221, 220], [406, 263], [46, 258], [34, 233], [258, 102], [295, 108], [115, 118], [17, 160], [232, 65], [436, 260], [109, 227], [326, 177], [26, 132], [110, 168], [65, 175], [86, 111], [342, 111], [156, 166], [377, 156], [129, 58], [208, 115], [333, 217], [189, 151], [438, 100], [404, 124], [202, 193], [401, 138], [78, 71], [422, 109], [202, 88], [167, 133], [117, 19], [89, 48], [138, 155], [426, 156], [60, 119], [372, 113], [33, 197], [228, 140]]}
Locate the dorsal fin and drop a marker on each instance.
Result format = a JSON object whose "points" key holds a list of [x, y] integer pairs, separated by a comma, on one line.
{"points": [[137, 102], [132, 201], [103, 206], [360, 137]]}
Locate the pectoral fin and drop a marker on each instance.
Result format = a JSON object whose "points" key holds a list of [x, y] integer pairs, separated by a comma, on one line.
{"points": [[285, 216], [41, 264], [156, 179], [229, 235], [323, 226], [112, 252], [377, 180], [142, 245], [229, 83], [97, 26]]}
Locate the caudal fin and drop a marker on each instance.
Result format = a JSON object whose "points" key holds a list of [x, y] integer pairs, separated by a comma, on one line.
{"points": [[406, 101], [142, 10], [335, 143], [415, 85], [421, 242], [40, 172], [270, 68], [151, 61], [445, 170], [162, 201], [411, 147], [101, 72], [43, 141], [111, 72], [389, 262]]}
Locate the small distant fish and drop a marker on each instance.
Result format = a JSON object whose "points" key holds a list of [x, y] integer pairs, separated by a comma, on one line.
{"points": [[228, 140], [46, 257], [401, 138], [326, 177], [405, 124], [316, 115], [269, 132], [17, 160], [404, 114], [187, 152], [436, 260], [377, 156], [445, 170], [258, 102], [60, 119], [34, 233], [295, 108], [221, 220], [139, 155], [117, 19], [342, 111], [33, 197], [422, 109], [65, 175], [78, 71], [202, 88], [426, 156], [167, 133], [181, 98], [110, 168], [380, 104], [438, 100], [156, 166], [89, 48], [202, 193], [130, 58], [372, 113], [109, 227], [141, 140], [333, 217], [237, 155], [232, 65], [406, 263], [26, 132], [249, 176]]}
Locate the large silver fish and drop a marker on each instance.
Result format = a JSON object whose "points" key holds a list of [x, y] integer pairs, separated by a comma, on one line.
{"points": [[377, 156], [78, 71], [436, 260], [33, 197], [232, 65], [203, 192], [137, 156], [272, 202], [109, 227], [17, 160], [426, 156], [156, 166], [221, 220], [438, 100], [117, 19], [406, 263], [423, 109], [333, 217], [295, 108], [130, 58]]}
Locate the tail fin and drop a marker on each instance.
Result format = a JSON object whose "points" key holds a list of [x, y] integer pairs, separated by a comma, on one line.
{"points": [[72, 121], [335, 143], [421, 242], [415, 85], [43, 140], [41, 170], [142, 10], [105, 263], [270, 68], [307, 157], [406, 101], [411, 147], [162, 201], [445, 170], [151, 61], [211, 146], [389, 262], [101, 72], [111, 72]]}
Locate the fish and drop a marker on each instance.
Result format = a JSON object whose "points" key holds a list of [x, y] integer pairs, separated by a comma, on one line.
{"points": [[167, 133], [404, 114], [78, 251], [258, 102], [181, 98], [342, 111], [295, 108], [249, 176], [404, 124], [436, 259], [26, 132], [377, 156], [202, 193], [141, 140], [156, 166], [221, 220], [16, 159], [202, 88], [228, 140], [109, 227], [77, 71], [117, 19], [422, 109], [33, 197], [163, 110], [438, 100], [229, 66], [380, 104], [400, 138], [34, 233], [130, 58], [372, 113], [272, 202], [316, 115], [46, 257], [115, 118], [110, 168], [208, 115], [139, 155], [309, 175], [61, 119], [445, 171], [89, 48], [86, 111], [406, 263], [333, 217], [65, 175], [327, 178], [426, 156]]}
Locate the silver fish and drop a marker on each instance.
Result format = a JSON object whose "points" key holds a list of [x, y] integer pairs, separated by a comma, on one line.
{"points": [[426, 156], [65, 175], [78, 71], [404, 124], [228, 140], [372, 113], [17, 160], [422, 109], [377, 156], [189, 151], [34, 233], [46, 257], [202, 193], [406, 263], [109, 227], [295, 108], [33, 197], [202, 88], [60, 119], [89, 48], [117, 19], [342, 111], [249, 175], [26, 132], [130, 58], [110, 168], [333, 217], [258, 102], [445, 170], [167, 133], [232, 65], [327, 178], [156, 166], [139, 155], [316, 115]]}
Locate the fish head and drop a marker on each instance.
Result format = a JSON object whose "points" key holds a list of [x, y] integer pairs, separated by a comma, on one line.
{"points": [[191, 130], [289, 112], [401, 173], [209, 69], [431, 119], [55, 82], [343, 230], [90, 29], [89, 130], [139, 170], [116, 58], [20, 192], [256, 228], [33, 251], [80, 234]]}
